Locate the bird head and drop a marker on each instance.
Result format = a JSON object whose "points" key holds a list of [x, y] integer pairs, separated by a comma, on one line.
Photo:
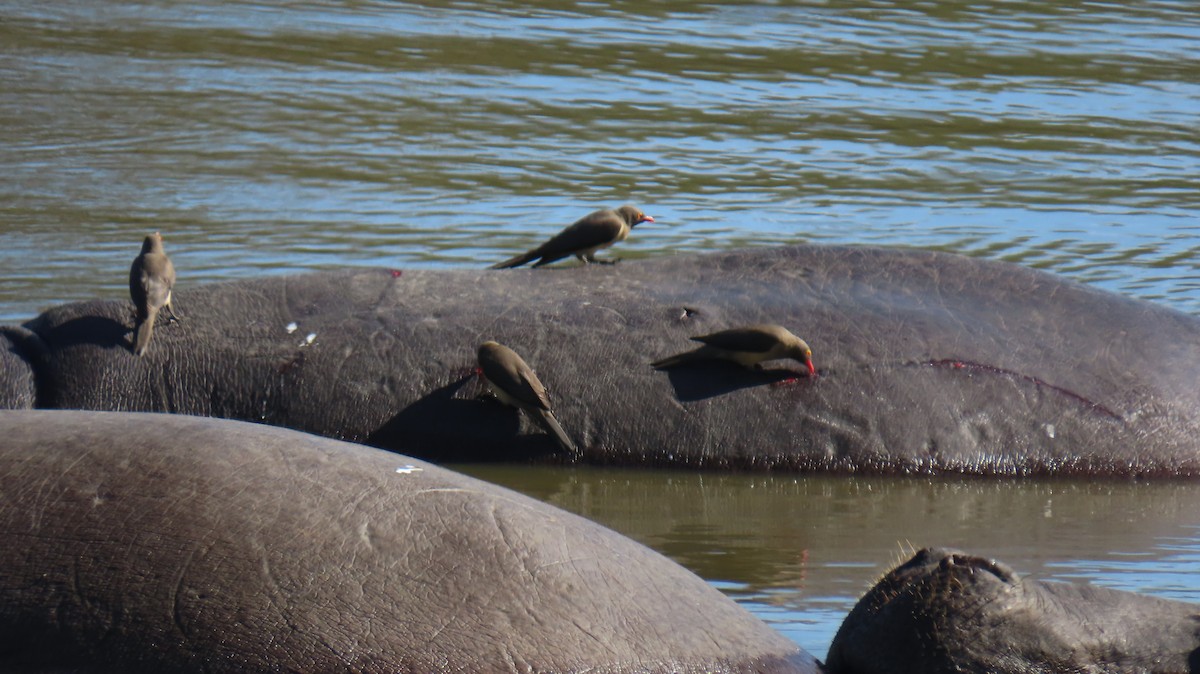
{"points": [[633, 216], [153, 243], [802, 353], [487, 349]]}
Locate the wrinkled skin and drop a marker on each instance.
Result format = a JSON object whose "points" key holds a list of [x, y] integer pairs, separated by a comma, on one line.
{"points": [[136, 542], [928, 362], [946, 611], [18, 385]]}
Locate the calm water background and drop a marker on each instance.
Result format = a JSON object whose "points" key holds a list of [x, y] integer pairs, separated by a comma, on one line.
{"points": [[269, 138]]}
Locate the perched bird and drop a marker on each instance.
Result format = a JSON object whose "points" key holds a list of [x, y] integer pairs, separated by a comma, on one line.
{"points": [[749, 346], [151, 279], [515, 384], [593, 232]]}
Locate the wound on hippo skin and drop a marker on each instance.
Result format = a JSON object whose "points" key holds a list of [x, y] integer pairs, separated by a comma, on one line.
{"points": [[969, 366]]}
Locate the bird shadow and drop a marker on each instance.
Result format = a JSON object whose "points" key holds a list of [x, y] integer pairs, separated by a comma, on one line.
{"points": [[98, 330], [708, 379], [453, 424]]}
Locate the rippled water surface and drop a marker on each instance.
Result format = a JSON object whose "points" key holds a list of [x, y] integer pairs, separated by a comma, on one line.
{"points": [[263, 138], [268, 138]]}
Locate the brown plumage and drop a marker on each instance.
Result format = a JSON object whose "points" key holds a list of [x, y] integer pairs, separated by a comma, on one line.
{"points": [[591, 233], [748, 346], [151, 279], [515, 384]]}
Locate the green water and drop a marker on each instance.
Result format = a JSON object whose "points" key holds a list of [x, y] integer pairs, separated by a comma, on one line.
{"points": [[800, 550], [267, 138]]}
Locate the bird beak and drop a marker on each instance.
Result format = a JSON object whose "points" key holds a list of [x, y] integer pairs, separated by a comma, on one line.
{"points": [[812, 371], [646, 218]]}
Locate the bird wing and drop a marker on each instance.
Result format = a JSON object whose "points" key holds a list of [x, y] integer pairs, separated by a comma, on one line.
{"points": [[531, 389], [751, 340], [518, 381], [137, 287], [590, 231], [157, 279]]}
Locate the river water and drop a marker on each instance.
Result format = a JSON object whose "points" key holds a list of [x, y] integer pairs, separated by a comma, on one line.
{"points": [[269, 138]]}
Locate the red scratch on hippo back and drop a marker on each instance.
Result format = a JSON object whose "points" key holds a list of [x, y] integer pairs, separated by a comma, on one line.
{"points": [[396, 273], [792, 381], [992, 369]]}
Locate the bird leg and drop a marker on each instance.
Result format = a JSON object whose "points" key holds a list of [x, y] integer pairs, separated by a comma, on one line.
{"points": [[592, 259]]}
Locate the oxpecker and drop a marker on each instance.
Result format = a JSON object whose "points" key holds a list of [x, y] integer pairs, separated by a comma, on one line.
{"points": [[593, 232], [515, 384], [748, 346], [151, 279]]}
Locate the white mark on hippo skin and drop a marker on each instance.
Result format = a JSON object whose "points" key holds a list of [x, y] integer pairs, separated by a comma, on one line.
{"points": [[309, 339], [1050, 431], [365, 535], [601, 307], [408, 469], [99, 494], [291, 327]]}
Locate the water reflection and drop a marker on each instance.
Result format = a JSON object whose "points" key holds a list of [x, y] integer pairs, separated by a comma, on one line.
{"points": [[798, 551]]}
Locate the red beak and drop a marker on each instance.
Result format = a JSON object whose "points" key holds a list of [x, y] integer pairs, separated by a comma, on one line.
{"points": [[811, 370], [646, 218]]}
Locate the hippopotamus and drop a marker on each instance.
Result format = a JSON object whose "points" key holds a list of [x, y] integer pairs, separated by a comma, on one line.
{"points": [[926, 362], [18, 350], [139, 542], [948, 611]]}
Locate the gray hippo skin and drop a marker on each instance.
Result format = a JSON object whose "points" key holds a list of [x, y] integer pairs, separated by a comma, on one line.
{"points": [[946, 611], [19, 348], [928, 362], [144, 542]]}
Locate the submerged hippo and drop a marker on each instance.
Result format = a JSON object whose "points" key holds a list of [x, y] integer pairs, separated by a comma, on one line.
{"points": [[947, 611], [152, 543], [925, 362]]}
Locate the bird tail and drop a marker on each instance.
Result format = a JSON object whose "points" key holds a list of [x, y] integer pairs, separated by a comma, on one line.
{"points": [[677, 359], [516, 261], [548, 422], [142, 333]]}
